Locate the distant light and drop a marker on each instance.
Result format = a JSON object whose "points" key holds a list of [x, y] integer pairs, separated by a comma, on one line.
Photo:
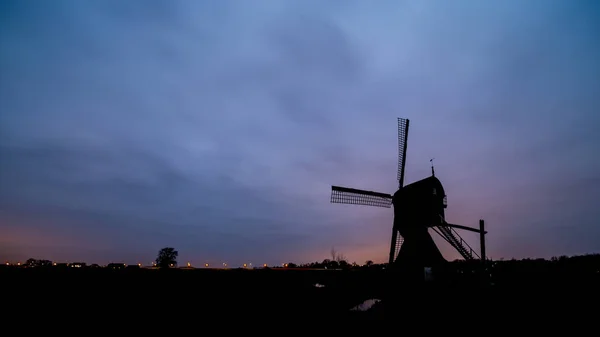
{"points": [[18, 263], [264, 265], [224, 264], [206, 265], [245, 265], [189, 264], [139, 264]]}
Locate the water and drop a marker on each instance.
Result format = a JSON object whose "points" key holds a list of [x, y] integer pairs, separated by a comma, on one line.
{"points": [[366, 305]]}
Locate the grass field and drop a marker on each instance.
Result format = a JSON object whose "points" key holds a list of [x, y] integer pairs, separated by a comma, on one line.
{"points": [[254, 296]]}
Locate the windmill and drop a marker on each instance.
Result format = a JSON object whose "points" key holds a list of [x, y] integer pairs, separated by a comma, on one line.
{"points": [[418, 207]]}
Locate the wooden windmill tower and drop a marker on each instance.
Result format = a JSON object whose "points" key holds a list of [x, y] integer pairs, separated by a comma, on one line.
{"points": [[418, 207]]}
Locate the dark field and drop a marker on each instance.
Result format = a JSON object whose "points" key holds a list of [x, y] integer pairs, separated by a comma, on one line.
{"points": [[255, 296]]}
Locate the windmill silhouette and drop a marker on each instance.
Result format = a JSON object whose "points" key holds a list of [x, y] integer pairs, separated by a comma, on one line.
{"points": [[418, 207]]}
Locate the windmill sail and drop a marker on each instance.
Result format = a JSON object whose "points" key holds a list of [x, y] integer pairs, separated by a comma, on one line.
{"points": [[345, 195], [402, 142], [397, 239]]}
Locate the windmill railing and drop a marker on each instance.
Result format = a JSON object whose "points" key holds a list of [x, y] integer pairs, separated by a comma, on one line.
{"points": [[465, 243], [455, 240]]}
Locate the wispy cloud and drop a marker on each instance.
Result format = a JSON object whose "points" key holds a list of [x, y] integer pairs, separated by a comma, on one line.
{"points": [[218, 127]]}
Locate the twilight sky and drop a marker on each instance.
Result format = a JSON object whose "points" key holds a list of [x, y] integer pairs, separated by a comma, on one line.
{"points": [[217, 127]]}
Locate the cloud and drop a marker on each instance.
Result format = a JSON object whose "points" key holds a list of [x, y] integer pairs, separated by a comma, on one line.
{"points": [[219, 127]]}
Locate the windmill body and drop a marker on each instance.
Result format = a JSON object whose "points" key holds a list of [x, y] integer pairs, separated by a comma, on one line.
{"points": [[418, 207]]}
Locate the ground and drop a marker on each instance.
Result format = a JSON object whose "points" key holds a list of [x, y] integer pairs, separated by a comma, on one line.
{"points": [[293, 296]]}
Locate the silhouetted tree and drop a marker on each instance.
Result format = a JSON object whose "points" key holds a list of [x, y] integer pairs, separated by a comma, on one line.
{"points": [[37, 263], [369, 263], [344, 264], [333, 265], [336, 256], [167, 257]]}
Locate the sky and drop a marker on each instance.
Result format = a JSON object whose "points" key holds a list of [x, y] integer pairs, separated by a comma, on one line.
{"points": [[218, 127]]}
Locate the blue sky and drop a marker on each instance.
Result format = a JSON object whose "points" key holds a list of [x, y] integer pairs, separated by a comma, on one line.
{"points": [[217, 127]]}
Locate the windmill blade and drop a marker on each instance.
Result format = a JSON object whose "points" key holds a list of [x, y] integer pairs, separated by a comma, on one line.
{"points": [[345, 195], [397, 241], [402, 142]]}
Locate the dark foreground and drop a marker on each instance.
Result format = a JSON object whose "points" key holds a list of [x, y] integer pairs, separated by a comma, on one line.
{"points": [[144, 297]]}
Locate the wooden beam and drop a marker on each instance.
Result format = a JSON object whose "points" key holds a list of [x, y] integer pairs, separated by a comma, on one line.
{"points": [[470, 229]]}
